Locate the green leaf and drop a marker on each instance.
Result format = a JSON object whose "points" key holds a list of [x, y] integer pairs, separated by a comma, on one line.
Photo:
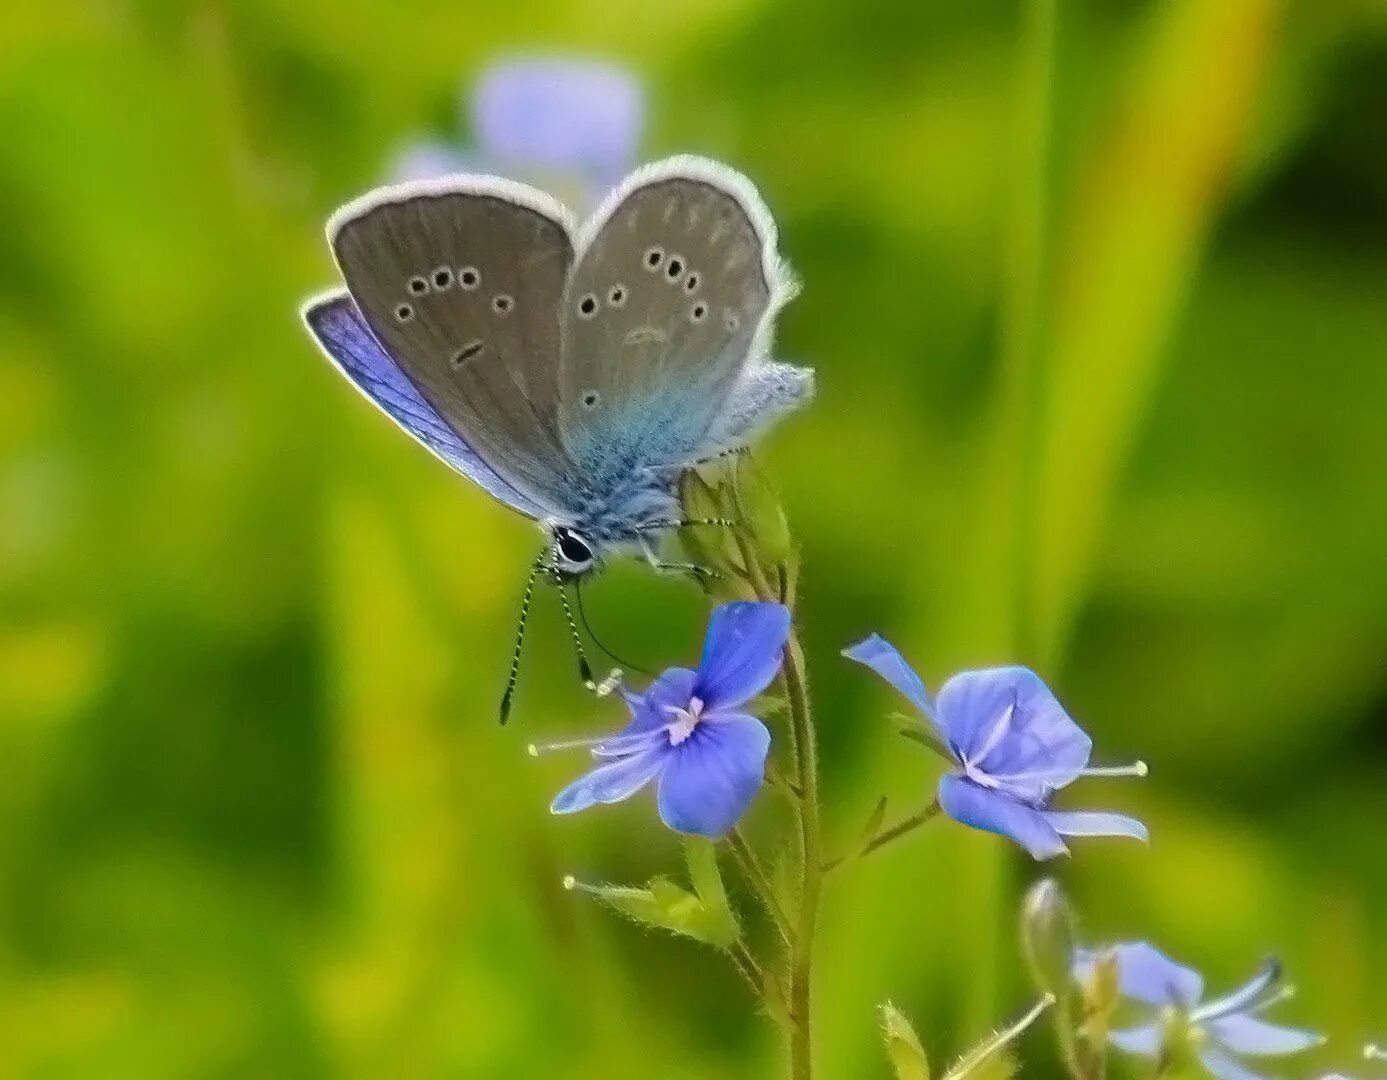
{"points": [[903, 1047], [663, 905], [702, 858], [980, 1063]]}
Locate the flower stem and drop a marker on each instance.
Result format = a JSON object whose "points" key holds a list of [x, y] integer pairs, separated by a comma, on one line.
{"points": [[895, 832], [811, 879], [759, 882], [805, 755]]}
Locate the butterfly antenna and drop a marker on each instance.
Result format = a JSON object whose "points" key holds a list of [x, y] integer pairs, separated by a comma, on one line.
{"points": [[520, 636], [584, 668], [624, 664]]}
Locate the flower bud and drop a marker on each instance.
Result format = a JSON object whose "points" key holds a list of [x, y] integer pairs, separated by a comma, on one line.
{"points": [[1047, 935], [903, 1047]]}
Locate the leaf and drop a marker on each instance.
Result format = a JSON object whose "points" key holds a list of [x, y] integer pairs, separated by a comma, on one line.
{"points": [[663, 905], [980, 1063], [870, 830], [903, 1047], [702, 858]]}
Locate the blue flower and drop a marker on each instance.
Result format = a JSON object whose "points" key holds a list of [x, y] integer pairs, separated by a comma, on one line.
{"points": [[687, 733], [1013, 746], [570, 126], [1219, 1032]]}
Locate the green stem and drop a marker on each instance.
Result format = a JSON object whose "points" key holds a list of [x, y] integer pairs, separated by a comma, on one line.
{"points": [[895, 832], [805, 755], [759, 882], [811, 881]]}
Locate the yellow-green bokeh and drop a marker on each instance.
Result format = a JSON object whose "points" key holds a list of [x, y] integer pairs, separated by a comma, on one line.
{"points": [[1117, 411]]}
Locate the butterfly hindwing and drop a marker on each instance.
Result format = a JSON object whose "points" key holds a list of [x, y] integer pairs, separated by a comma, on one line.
{"points": [[675, 285], [460, 281], [343, 335]]}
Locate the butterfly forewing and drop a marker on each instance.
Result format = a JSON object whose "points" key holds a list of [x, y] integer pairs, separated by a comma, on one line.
{"points": [[461, 283], [670, 292], [337, 326]]}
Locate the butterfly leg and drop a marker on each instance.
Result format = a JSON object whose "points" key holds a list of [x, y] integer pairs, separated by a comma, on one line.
{"points": [[701, 574]]}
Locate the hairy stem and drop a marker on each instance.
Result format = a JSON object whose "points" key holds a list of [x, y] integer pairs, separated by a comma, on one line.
{"points": [[759, 882], [895, 832], [801, 969]]}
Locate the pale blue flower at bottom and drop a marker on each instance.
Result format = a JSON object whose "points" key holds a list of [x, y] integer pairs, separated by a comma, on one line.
{"points": [[1222, 1031]]}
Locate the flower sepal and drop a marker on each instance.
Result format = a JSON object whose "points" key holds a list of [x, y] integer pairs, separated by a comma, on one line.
{"points": [[754, 553]]}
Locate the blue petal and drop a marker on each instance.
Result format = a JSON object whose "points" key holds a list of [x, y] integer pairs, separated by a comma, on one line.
{"points": [[1035, 737], [885, 659], [612, 782], [1144, 1040], [1248, 1035], [995, 812], [650, 710], [713, 776], [1096, 823], [559, 115], [741, 653], [1226, 1067], [1144, 973]]}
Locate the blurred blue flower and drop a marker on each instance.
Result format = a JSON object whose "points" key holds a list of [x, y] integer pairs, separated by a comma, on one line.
{"points": [[1219, 1032], [570, 126], [1014, 746], [687, 732]]}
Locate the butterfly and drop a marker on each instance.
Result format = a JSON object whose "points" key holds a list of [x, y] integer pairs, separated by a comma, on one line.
{"points": [[573, 373]]}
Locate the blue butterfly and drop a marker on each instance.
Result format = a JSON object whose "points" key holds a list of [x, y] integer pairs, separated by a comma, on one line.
{"points": [[573, 373]]}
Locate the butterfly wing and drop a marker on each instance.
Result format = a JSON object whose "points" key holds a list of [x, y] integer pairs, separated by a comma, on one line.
{"points": [[766, 391], [460, 280], [344, 337], [676, 283]]}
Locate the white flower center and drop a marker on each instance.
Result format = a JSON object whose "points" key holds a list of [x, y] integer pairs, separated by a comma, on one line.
{"points": [[685, 720]]}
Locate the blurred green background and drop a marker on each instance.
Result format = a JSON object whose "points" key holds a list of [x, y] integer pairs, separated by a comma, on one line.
{"points": [[1117, 410]]}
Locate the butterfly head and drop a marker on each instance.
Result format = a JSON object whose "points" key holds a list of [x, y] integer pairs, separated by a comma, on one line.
{"points": [[572, 555]]}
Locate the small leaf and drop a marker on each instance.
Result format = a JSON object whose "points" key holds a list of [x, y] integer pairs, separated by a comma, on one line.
{"points": [[870, 830], [1002, 1066], [979, 1062], [662, 906], [702, 858], [910, 726], [903, 1047]]}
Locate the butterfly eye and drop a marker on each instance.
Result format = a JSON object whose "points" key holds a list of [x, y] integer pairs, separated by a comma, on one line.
{"points": [[418, 286], [675, 267], [654, 257], [617, 297], [442, 278], [502, 303], [698, 311], [468, 278], [404, 313], [591, 398], [587, 306], [691, 282], [732, 321]]}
